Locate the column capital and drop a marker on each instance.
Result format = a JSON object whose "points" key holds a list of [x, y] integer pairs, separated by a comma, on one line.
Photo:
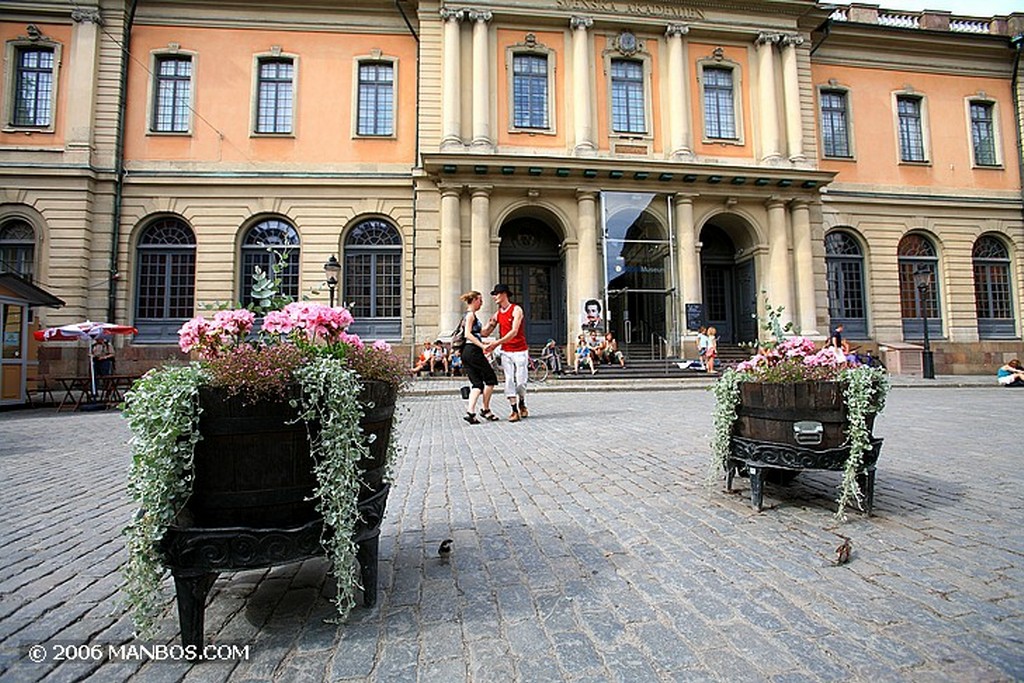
{"points": [[450, 189], [481, 15], [577, 23], [765, 38], [583, 194], [481, 190], [83, 14], [800, 203], [673, 30], [791, 39], [775, 202], [449, 14], [684, 197]]}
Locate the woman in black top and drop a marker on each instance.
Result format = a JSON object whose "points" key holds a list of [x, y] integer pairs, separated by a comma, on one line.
{"points": [[477, 366]]}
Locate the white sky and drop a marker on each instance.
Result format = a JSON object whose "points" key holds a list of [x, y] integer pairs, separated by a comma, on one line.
{"points": [[970, 8]]}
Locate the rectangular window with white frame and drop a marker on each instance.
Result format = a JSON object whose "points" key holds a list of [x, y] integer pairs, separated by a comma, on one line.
{"points": [[983, 133], [835, 123], [34, 87], [172, 94], [627, 90], [719, 103], [376, 99], [911, 128], [275, 95], [530, 90]]}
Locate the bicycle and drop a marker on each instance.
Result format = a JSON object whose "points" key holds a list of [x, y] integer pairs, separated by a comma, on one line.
{"points": [[536, 369]]}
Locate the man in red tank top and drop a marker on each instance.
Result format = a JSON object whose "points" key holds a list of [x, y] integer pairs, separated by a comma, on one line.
{"points": [[514, 350]]}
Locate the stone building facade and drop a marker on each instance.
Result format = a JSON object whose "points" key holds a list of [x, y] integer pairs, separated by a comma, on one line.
{"points": [[676, 162]]}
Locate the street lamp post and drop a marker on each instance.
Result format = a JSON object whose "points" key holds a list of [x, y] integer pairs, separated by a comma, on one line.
{"points": [[922, 280], [332, 268]]}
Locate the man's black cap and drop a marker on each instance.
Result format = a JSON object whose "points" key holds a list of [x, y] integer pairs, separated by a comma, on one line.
{"points": [[499, 288]]}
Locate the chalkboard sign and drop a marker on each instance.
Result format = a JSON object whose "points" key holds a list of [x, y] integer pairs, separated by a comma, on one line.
{"points": [[694, 316]]}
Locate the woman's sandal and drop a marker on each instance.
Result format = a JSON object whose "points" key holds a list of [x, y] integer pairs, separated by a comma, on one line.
{"points": [[471, 418], [488, 415]]}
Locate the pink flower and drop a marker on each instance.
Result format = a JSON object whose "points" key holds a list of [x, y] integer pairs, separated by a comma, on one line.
{"points": [[382, 345], [351, 340], [192, 332], [278, 322]]}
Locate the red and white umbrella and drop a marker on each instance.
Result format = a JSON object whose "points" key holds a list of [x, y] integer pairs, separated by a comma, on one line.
{"points": [[85, 330]]}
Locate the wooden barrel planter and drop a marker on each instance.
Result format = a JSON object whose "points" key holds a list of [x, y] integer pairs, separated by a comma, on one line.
{"points": [[783, 429], [251, 496]]}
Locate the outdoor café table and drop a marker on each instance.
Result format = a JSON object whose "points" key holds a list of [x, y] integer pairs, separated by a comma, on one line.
{"points": [[76, 391], [113, 387]]}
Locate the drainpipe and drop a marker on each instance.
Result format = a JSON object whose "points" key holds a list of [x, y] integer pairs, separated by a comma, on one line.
{"points": [[122, 98], [417, 165], [1018, 43]]}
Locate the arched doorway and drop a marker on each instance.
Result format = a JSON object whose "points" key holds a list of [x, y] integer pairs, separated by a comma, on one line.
{"points": [[728, 285], [529, 261]]}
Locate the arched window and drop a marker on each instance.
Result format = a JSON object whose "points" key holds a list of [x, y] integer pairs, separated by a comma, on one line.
{"points": [[992, 288], [17, 248], [372, 279], [165, 281], [844, 262], [916, 255], [262, 241]]}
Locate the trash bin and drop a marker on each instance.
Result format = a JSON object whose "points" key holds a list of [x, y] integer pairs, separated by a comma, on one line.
{"points": [[901, 358]]}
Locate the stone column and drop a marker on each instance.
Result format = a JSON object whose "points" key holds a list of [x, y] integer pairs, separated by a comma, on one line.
{"points": [[791, 92], [687, 263], [687, 257], [82, 78], [482, 139], [803, 262], [679, 89], [778, 280], [589, 274], [451, 72], [768, 109], [582, 97], [481, 277], [450, 258]]}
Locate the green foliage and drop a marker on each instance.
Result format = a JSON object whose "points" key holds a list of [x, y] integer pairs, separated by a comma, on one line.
{"points": [[727, 397], [864, 391], [266, 287], [329, 400], [162, 411]]}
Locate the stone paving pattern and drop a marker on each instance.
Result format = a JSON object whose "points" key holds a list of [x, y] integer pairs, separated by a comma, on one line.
{"points": [[586, 548]]}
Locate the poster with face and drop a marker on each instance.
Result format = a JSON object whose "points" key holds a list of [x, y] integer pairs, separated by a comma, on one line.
{"points": [[593, 315]]}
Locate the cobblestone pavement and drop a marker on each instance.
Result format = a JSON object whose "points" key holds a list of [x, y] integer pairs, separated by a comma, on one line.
{"points": [[586, 548]]}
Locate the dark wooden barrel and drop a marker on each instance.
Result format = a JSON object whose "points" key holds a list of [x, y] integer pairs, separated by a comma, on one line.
{"points": [[767, 412], [253, 467]]}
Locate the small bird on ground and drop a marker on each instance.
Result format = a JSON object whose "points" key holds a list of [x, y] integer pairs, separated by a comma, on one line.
{"points": [[445, 549], [843, 551]]}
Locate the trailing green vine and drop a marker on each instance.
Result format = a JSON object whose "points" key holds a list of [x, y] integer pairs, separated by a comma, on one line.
{"points": [[162, 411], [727, 397], [864, 391], [329, 400]]}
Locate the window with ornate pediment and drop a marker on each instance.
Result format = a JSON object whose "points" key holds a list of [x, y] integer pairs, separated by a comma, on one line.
{"points": [[372, 278], [258, 247], [375, 97], [992, 291], [165, 279], [275, 95], [844, 264], [32, 63], [531, 92], [917, 254]]}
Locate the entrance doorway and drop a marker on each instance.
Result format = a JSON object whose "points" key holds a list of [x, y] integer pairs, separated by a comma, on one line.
{"points": [[638, 268], [530, 264], [729, 288]]}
